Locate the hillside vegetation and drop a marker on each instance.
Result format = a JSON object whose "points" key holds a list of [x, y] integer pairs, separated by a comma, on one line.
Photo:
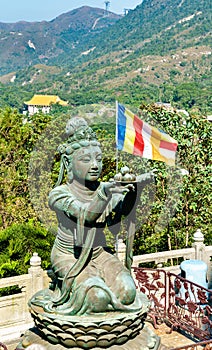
{"points": [[158, 52], [27, 43]]}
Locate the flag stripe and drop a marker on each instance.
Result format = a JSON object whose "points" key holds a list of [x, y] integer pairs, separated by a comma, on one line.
{"points": [[167, 145], [130, 132], [139, 141], [146, 132], [121, 125]]}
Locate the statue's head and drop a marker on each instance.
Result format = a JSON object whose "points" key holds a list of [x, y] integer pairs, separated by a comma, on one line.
{"points": [[81, 154]]}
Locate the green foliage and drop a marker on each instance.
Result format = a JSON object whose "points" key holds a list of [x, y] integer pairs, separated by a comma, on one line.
{"points": [[18, 243], [17, 137], [172, 207], [182, 202], [9, 290]]}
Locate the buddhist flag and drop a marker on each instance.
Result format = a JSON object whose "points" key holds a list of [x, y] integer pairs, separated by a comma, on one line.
{"points": [[139, 138]]}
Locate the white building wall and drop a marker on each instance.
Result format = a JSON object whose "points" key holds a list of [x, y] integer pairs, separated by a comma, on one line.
{"points": [[35, 109]]}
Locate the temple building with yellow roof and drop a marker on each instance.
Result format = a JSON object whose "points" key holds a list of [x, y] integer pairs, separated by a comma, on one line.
{"points": [[43, 103]]}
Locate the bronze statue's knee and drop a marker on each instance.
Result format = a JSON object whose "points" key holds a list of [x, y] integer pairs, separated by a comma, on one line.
{"points": [[98, 299], [127, 296], [127, 290]]}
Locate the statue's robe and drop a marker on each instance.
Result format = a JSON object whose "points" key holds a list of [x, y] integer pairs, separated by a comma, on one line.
{"points": [[89, 278]]}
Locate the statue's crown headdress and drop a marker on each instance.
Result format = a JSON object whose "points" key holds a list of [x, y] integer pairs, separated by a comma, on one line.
{"points": [[78, 134]]}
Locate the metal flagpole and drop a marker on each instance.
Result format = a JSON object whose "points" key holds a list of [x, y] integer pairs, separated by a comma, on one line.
{"points": [[117, 138], [117, 236]]}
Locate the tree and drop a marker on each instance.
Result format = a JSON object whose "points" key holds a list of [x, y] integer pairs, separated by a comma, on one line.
{"points": [[18, 242], [171, 208], [182, 202], [17, 141]]}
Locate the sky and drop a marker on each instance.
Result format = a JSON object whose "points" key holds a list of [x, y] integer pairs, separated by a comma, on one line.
{"points": [[38, 10]]}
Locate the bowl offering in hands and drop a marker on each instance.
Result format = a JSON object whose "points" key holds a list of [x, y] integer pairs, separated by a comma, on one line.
{"points": [[125, 175]]}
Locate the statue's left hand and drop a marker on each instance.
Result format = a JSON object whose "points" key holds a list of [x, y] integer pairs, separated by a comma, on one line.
{"points": [[146, 176]]}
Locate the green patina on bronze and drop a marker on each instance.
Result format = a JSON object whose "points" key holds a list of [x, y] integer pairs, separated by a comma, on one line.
{"points": [[88, 278], [92, 300]]}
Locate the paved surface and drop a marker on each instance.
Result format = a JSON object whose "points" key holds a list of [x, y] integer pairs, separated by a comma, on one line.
{"points": [[171, 340]]}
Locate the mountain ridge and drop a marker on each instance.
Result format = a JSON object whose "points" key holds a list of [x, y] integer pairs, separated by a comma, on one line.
{"points": [[36, 42], [159, 51]]}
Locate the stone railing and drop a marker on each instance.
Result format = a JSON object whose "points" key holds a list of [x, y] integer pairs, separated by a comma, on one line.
{"points": [[198, 251], [14, 315]]}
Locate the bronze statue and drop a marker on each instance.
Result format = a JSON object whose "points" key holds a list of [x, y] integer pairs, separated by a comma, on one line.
{"points": [[88, 277], [92, 301]]}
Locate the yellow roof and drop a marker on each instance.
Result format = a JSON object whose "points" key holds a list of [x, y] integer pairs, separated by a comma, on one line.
{"points": [[45, 100]]}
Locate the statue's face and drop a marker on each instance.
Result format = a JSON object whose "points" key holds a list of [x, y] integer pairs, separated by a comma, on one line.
{"points": [[87, 163]]}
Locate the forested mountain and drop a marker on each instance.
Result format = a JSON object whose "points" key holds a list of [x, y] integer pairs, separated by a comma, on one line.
{"points": [[158, 52], [27, 43]]}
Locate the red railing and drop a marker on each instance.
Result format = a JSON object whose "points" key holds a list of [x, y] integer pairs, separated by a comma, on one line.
{"points": [[206, 345], [182, 304], [189, 307], [153, 283]]}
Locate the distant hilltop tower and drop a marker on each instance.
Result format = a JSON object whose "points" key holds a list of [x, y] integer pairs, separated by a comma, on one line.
{"points": [[107, 5], [126, 11]]}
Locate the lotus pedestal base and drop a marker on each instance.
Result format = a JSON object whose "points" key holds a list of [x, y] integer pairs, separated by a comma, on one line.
{"points": [[114, 330]]}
